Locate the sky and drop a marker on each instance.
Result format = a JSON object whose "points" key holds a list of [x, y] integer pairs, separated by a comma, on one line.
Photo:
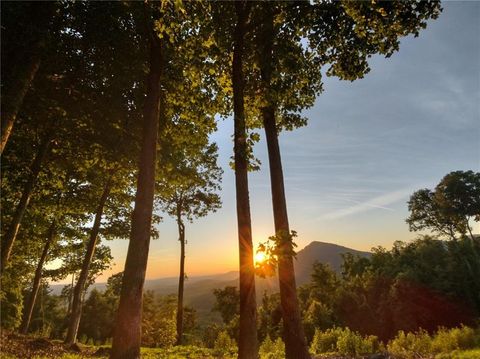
{"points": [[368, 146]]}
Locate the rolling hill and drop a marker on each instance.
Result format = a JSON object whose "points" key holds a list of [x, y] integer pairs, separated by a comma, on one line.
{"points": [[199, 289]]}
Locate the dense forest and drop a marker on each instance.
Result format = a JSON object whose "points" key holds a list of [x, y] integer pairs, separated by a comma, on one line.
{"points": [[107, 112]]}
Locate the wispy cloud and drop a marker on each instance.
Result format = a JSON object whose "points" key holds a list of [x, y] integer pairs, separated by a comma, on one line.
{"points": [[379, 202]]}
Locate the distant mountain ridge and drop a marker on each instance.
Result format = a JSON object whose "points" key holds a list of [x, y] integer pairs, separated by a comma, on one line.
{"points": [[322, 252], [199, 289]]}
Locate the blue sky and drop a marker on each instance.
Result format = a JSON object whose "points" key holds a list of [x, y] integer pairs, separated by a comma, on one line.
{"points": [[368, 145]]}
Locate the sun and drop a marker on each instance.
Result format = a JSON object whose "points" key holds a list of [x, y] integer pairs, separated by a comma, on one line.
{"points": [[260, 257]]}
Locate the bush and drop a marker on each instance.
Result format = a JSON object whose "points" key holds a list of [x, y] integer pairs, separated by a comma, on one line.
{"points": [[445, 343], [411, 345], [447, 340], [210, 334], [460, 354], [325, 341], [344, 342], [224, 345], [272, 350], [352, 343]]}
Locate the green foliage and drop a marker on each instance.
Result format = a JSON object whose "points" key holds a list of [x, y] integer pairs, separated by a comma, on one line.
{"points": [[411, 345], [280, 245], [352, 343], [11, 299], [227, 303], [344, 342], [158, 320], [318, 299], [448, 209], [98, 315], [210, 334], [460, 354], [444, 343], [48, 314], [224, 345], [269, 317], [426, 283], [272, 349], [325, 341], [447, 340]]}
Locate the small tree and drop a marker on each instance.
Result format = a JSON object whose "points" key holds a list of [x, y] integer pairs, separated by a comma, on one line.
{"points": [[449, 209], [227, 303], [189, 178]]}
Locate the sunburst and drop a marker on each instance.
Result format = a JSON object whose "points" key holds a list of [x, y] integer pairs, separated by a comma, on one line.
{"points": [[260, 257]]}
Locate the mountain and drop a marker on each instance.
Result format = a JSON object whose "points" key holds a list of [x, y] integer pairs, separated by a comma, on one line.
{"points": [[322, 252], [199, 289]]}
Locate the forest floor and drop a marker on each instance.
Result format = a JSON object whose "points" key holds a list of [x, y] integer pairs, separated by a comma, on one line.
{"points": [[13, 346]]}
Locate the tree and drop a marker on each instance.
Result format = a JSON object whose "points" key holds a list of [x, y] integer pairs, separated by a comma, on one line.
{"points": [[76, 309], [127, 335], [25, 27], [187, 189], [342, 35], [158, 322], [227, 303], [270, 317], [9, 239], [449, 208], [98, 313], [294, 337], [27, 313], [247, 346]]}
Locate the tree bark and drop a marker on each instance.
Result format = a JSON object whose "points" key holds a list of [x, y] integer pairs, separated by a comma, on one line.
{"points": [[27, 313], [11, 235], [247, 345], [293, 332], [127, 333], [181, 278], [76, 313], [17, 80]]}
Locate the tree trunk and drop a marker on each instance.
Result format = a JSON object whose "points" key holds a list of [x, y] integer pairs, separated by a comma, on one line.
{"points": [[76, 313], [70, 297], [17, 80], [11, 235], [247, 345], [127, 334], [27, 313], [181, 279], [293, 332]]}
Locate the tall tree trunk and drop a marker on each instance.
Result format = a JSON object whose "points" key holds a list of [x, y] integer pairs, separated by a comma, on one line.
{"points": [[181, 278], [293, 332], [17, 80], [247, 345], [70, 296], [127, 334], [27, 313], [76, 313], [11, 235]]}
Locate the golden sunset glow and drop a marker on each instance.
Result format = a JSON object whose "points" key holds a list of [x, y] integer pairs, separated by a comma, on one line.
{"points": [[260, 257]]}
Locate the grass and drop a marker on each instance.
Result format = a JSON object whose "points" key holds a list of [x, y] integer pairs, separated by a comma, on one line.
{"points": [[183, 352]]}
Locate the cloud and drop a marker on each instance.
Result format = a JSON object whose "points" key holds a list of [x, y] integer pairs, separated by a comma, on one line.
{"points": [[379, 202]]}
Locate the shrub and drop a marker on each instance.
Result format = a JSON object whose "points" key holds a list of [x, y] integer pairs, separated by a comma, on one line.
{"points": [[325, 341], [210, 334], [447, 340], [224, 345], [411, 345], [352, 343], [343, 341], [272, 349], [445, 343], [460, 354]]}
